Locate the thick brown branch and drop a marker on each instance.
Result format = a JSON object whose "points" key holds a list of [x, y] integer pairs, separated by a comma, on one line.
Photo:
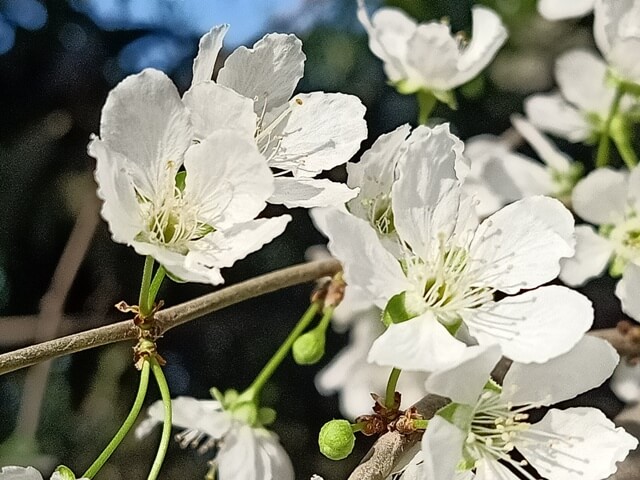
{"points": [[171, 317]]}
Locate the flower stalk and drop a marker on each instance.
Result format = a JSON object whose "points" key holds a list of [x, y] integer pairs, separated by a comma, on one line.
{"points": [[166, 426], [602, 156], [126, 426]]}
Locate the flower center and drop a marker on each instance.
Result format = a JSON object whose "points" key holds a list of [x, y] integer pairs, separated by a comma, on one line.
{"points": [[380, 214], [447, 285], [626, 241], [171, 219]]}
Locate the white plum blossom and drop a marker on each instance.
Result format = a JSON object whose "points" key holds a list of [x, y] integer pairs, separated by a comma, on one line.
{"points": [[30, 473], [617, 33], [610, 199], [562, 9], [298, 136], [190, 205], [500, 176], [438, 286], [486, 423], [579, 110], [243, 452], [427, 57]]}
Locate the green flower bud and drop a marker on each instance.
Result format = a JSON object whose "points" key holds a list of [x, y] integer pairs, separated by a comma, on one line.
{"points": [[336, 439], [309, 348], [63, 473]]}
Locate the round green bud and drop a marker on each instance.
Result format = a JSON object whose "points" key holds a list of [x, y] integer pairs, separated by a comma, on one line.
{"points": [[336, 439], [309, 348]]}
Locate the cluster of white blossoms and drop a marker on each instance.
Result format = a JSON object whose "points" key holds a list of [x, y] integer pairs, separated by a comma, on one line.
{"points": [[447, 251]]}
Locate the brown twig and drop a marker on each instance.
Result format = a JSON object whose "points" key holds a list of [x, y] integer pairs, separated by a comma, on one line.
{"points": [[171, 317], [51, 313]]}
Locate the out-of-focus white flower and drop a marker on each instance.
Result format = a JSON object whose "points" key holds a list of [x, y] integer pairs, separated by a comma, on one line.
{"points": [[610, 199], [30, 473], [579, 111], [354, 379], [443, 281], [485, 423], [426, 56], [189, 205], [244, 452], [625, 382], [617, 33], [560, 9], [299, 137], [499, 176]]}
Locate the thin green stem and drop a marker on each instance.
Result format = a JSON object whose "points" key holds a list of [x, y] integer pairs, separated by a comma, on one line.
{"points": [[143, 301], [390, 396], [155, 286], [602, 157], [126, 426], [166, 426], [357, 427], [426, 103], [626, 151], [420, 424], [275, 361], [327, 313]]}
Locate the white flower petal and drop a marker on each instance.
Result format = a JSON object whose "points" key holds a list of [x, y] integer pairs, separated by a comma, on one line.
{"points": [[419, 344], [513, 177], [625, 58], [323, 130], [442, 445], [389, 32], [625, 382], [145, 121], [535, 325], [239, 456], [189, 413], [208, 50], [488, 35], [309, 192], [522, 244], [214, 107], [176, 264], [553, 114], [268, 72], [582, 78], [556, 380], [223, 248], [628, 291], [374, 173], [19, 473], [560, 10], [492, 470], [547, 151], [464, 380], [590, 260], [274, 458], [589, 447], [365, 261], [434, 54], [600, 197], [425, 198], [633, 189], [115, 188], [227, 178]]}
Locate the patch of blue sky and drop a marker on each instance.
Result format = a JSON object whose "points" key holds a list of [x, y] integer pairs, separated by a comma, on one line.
{"points": [[188, 18]]}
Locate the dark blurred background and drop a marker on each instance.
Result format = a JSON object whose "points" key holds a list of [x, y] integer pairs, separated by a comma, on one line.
{"points": [[58, 60]]}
